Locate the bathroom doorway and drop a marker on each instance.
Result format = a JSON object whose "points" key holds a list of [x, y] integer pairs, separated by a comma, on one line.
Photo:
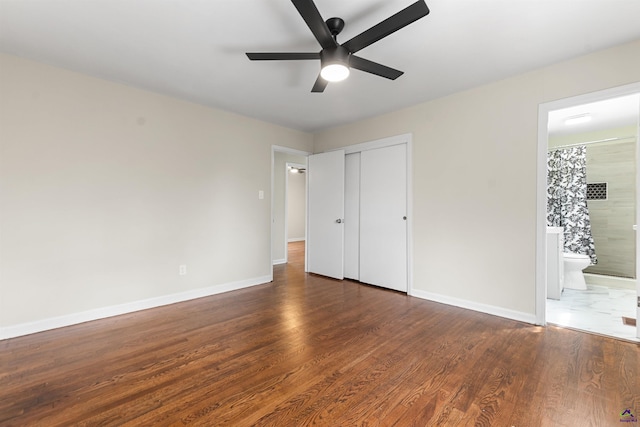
{"points": [[606, 124]]}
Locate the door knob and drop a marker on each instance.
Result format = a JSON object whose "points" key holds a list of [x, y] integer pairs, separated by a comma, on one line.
{"points": [[339, 221]]}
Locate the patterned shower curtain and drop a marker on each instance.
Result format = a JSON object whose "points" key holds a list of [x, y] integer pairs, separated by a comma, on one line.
{"points": [[567, 199]]}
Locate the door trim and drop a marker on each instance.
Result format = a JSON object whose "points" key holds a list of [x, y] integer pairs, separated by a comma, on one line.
{"points": [[407, 139]]}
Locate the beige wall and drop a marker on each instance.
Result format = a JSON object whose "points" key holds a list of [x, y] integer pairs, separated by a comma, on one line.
{"points": [[105, 190], [474, 176]]}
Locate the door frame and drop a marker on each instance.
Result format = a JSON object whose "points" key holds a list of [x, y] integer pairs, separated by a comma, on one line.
{"points": [[541, 181], [407, 139], [286, 150]]}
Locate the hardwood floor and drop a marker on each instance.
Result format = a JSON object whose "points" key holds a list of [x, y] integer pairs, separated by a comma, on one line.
{"points": [[306, 350]]}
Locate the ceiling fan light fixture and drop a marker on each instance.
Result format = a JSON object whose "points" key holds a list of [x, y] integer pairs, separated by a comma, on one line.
{"points": [[335, 64], [576, 120], [334, 72]]}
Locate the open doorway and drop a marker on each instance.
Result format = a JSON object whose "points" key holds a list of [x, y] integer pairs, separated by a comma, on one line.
{"points": [[590, 153], [288, 201], [295, 224]]}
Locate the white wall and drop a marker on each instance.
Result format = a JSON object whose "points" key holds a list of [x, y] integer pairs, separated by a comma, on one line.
{"points": [[296, 206], [105, 190], [474, 178]]}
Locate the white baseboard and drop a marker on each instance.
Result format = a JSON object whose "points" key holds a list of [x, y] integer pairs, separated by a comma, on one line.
{"points": [[115, 310], [279, 261], [475, 306], [296, 239], [610, 281]]}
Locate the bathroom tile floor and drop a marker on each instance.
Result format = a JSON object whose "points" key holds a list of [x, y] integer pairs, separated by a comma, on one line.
{"points": [[599, 309]]}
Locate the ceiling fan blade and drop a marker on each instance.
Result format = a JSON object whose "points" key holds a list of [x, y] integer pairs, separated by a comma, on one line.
{"points": [[374, 68], [282, 56], [389, 26], [319, 85], [316, 24]]}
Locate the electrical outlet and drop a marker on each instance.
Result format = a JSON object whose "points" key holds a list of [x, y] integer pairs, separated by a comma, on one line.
{"points": [[182, 270]]}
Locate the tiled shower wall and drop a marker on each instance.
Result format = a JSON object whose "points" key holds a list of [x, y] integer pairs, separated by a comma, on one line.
{"points": [[612, 220]]}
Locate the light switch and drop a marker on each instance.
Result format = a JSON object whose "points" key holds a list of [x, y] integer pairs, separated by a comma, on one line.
{"points": [[260, 194]]}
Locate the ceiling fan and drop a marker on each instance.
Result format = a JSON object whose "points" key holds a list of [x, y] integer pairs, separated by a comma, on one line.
{"points": [[336, 58]]}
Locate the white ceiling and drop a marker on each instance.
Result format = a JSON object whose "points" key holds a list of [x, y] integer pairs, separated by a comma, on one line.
{"points": [[194, 49], [608, 114]]}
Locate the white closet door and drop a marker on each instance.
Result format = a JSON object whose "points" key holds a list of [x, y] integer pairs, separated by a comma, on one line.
{"points": [[383, 210], [325, 238], [352, 217], [637, 232]]}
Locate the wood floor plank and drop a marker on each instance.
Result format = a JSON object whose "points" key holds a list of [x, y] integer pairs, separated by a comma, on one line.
{"points": [[307, 350]]}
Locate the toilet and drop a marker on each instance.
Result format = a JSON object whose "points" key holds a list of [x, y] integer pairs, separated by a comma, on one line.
{"points": [[573, 266]]}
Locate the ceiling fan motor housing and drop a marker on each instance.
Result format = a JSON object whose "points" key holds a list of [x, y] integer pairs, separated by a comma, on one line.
{"points": [[337, 55], [335, 26]]}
